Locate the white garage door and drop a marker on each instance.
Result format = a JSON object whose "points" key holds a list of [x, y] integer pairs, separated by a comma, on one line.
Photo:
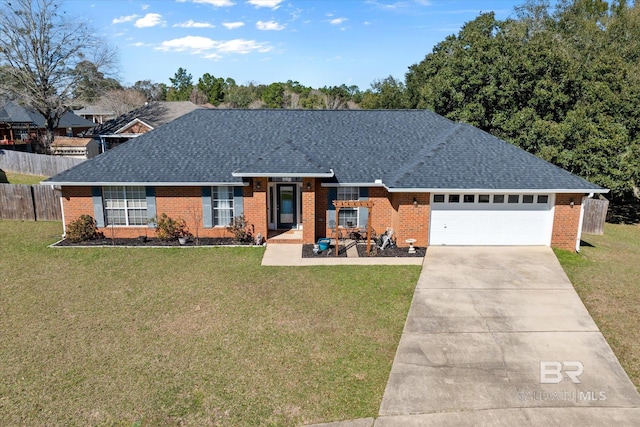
{"points": [[491, 219]]}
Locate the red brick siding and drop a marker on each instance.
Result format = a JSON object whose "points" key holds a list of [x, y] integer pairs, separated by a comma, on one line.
{"points": [[176, 202], [566, 220], [309, 210], [411, 221], [389, 210], [76, 201], [255, 206]]}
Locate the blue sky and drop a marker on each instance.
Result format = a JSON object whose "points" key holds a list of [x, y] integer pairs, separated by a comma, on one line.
{"points": [[317, 43]]}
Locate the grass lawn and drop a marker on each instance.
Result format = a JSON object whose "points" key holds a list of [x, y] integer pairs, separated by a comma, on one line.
{"points": [[606, 275], [18, 178], [202, 336]]}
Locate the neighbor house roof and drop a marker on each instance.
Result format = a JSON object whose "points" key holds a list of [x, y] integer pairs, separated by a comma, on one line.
{"points": [[152, 114], [12, 112], [64, 141], [399, 149]]}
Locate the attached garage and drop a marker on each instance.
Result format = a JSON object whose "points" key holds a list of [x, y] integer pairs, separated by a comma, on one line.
{"points": [[491, 219]]}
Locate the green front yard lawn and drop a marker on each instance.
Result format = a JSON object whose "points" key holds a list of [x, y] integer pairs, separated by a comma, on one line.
{"points": [[606, 275], [199, 336]]}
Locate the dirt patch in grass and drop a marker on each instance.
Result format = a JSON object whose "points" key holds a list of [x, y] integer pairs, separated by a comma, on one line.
{"points": [[605, 275], [166, 337]]}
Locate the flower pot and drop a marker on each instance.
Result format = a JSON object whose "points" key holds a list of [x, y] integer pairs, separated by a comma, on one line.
{"points": [[182, 240], [324, 244]]}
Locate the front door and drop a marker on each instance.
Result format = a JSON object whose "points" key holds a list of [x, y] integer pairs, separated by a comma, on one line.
{"points": [[286, 205]]}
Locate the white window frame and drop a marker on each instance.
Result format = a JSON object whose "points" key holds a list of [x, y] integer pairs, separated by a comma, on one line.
{"points": [[222, 204], [127, 204], [348, 193]]}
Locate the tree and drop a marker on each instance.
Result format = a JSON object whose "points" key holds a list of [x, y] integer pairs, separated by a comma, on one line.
{"points": [[151, 91], [213, 88], [92, 83], [181, 86], [387, 94], [121, 101], [240, 96], [273, 95], [563, 86], [336, 97], [41, 48]]}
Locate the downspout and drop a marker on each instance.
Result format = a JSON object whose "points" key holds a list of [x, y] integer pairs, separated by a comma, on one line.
{"points": [[64, 223], [580, 222]]}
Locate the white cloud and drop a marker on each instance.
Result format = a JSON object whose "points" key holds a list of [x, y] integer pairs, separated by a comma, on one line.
{"points": [[124, 19], [144, 6], [337, 21], [243, 46], [193, 43], [398, 5], [269, 26], [273, 4], [150, 20], [192, 24], [232, 25], [212, 48], [216, 3]]}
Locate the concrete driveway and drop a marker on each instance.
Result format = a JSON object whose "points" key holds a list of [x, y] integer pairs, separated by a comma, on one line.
{"points": [[498, 336]]}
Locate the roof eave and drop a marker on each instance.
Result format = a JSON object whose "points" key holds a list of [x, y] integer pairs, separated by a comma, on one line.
{"points": [[498, 190], [283, 174], [143, 184]]}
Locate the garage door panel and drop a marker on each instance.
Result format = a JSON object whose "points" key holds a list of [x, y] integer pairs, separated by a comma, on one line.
{"points": [[482, 225]]}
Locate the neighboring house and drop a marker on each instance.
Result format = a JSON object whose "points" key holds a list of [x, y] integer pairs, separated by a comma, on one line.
{"points": [[114, 132], [428, 178], [81, 148], [22, 128], [96, 114]]}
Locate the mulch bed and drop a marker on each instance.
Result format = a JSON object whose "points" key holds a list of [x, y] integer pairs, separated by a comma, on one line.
{"points": [[392, 252], [307, 252], [152, 242]]}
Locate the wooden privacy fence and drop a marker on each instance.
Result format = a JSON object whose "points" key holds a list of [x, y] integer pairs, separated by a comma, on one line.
{"points": [[29, 203], [595, 214], [35, 164]]}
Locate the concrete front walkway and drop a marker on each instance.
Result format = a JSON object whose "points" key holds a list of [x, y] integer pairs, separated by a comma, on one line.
{"points": [[481, 323]]}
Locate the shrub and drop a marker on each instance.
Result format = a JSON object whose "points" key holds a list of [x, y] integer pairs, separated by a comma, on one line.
{"points": [[169, 229], [83, 228], [242, 231]]}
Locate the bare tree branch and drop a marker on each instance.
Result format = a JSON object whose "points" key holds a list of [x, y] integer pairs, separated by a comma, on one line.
{"points": [[40, 48]]}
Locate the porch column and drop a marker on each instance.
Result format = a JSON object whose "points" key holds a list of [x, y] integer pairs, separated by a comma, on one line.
{"points": [[309, 210]]}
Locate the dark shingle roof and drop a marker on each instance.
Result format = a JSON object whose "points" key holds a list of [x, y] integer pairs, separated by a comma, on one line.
{"points": [[404, 148], [154, 114], [12, 112]]}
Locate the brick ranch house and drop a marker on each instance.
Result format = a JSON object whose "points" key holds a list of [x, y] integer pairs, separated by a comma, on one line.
{"points": [[431, 179]]}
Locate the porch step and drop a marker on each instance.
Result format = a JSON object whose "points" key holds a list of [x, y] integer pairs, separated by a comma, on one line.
{"points": [[285, 237]]}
